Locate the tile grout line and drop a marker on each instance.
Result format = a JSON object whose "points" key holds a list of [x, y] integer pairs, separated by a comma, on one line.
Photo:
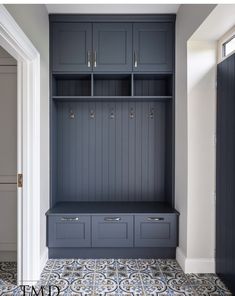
{"points": [[117, 276], [94, 285], [139, 272]]}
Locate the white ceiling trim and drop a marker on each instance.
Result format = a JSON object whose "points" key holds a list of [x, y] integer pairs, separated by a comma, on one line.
{"points": [[112, 8]]}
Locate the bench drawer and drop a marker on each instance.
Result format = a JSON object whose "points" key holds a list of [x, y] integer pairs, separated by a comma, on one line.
{"points": [[156, 230], [69, 231], [112, 231]]}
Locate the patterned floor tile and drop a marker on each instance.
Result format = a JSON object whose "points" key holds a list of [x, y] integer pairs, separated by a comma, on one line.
{"points": [[117, 277], [207, 284]]}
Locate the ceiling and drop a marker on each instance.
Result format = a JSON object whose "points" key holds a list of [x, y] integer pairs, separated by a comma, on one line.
{"points": [[112, 8], [220, 20]]}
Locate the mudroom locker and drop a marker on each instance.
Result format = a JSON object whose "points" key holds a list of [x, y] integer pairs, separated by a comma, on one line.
{"points": [[112, 137]]}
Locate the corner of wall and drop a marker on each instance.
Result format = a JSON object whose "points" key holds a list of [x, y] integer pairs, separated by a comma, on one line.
{"points": [[195, 265], [43, 259], [180, 258]]}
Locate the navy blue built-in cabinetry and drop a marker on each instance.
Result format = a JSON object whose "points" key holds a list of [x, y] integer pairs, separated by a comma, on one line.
{"points": [[112, 136]]}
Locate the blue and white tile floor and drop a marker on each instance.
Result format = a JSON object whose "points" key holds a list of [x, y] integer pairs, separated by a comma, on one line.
{"points": [[117, 277]]}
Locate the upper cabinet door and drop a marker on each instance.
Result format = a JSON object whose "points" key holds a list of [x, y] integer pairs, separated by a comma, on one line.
{"points": [[112, 47], [72, 47], [153, 47]]}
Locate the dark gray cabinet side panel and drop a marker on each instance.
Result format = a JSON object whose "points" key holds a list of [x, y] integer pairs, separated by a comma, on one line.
{"points": [[69, 231], [112, 47], [153, 47], [111, 151], [225, 173], [71, 46], [112, 231], [156, 230]]}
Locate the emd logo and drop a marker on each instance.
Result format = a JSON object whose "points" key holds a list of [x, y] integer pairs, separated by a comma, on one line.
{"points": [[40, 291]]}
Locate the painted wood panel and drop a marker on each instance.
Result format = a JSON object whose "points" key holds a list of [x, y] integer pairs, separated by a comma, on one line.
{"points": [[112, 47], [8, 217], [8, 124], [157, 230], [225, 173], [153, 46], [111, 151], [71, 46], [69, 231], [112, 231]]}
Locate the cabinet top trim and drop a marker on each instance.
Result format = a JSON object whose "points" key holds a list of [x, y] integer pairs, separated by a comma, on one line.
{"points": [[112, 18]]}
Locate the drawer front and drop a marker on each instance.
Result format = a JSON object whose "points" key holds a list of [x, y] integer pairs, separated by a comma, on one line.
{"points": [[112, 231], [69, 231], [155, 230]]}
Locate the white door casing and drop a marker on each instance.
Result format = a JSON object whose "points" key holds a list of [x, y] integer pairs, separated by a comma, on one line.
{"points": [[14, 41]]}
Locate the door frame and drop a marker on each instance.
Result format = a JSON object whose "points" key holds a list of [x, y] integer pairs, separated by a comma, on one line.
{"points": [[14, 41]]}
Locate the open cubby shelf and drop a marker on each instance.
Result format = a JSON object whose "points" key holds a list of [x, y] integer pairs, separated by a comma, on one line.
{"points": [[152, 85], [112, 85], [79, 87], [72, 85]]}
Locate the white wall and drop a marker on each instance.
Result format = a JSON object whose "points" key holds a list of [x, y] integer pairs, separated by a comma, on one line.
{"points": [[33, 20], [201, 76], [189, 18]]}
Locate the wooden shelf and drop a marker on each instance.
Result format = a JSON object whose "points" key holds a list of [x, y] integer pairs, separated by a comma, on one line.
{"points": [[109, 98], [110, 207]]}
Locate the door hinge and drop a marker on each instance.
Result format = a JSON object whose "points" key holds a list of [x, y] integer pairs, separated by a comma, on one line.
{"points": [[20, 180]]}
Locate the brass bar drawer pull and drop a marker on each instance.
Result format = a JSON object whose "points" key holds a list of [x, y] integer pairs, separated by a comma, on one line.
{"points": [[69, 219], [112, 219], [155, 219]]}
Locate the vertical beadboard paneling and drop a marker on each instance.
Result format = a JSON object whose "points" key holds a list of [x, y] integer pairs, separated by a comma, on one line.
{"points": [[125, 150], [112, 149], [144, 152], [105, 152], [132, 152], [99, 151], [85, 113], [119, 164], [225, 172], [92, 153], [138, 151], [151, 150], [111, 159]]}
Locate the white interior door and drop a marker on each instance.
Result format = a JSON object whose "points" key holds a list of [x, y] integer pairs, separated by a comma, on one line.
{"points": [[8, 157]]}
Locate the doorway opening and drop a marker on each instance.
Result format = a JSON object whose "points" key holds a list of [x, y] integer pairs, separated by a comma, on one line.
{"points": [[14, 41], [8, 168]]}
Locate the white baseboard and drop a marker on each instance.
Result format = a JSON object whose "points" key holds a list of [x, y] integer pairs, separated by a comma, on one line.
{"points": [[195, 265], [43, 259], [8, 256]]}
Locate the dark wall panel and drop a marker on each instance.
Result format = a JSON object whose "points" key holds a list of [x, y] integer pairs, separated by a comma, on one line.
{"points": [[111, 151], [225, 202]]}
